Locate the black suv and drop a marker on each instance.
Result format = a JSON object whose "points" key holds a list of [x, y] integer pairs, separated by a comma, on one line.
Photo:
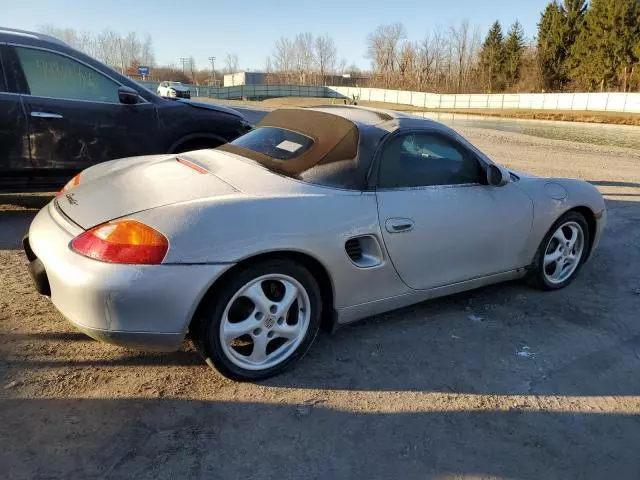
{"points": [[62, 111]]}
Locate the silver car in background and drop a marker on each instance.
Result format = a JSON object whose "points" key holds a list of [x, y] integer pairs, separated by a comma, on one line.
{"points": [[321, 215], [173, 90]]}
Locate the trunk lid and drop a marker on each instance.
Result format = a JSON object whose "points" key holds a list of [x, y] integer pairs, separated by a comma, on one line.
{"points": [[123, 187]]}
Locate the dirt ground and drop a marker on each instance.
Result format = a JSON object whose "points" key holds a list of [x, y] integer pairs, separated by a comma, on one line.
{"points": [[501, 382], [618, 118]]}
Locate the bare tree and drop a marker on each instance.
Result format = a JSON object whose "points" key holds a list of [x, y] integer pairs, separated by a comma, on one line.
{"points": [[283, 58], [67, 35], [304, 57], [407, 66], [231, 61], [131, 49], [383, 46], [459, 38], [342, 66], [431, 53], [147, 55], [326, 55], [107, 48], [88, 43], [192, 68]]}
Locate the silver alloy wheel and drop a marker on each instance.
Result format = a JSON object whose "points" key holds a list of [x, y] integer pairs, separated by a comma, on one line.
{"points": [[563, 253], [265, 321]]}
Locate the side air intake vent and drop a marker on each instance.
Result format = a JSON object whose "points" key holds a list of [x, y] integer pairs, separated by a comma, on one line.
{"points": [[364, 251], [354, 249]]}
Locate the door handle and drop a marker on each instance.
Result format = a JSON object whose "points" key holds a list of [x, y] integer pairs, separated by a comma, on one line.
{"points": [[396, 225], [45, 115]]}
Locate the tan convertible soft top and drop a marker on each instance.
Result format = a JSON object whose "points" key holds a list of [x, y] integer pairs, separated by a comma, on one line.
{"points": [[334, 139]]}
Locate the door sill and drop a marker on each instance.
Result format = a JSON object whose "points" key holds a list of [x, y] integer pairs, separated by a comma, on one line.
{"points": [[356, 312]]}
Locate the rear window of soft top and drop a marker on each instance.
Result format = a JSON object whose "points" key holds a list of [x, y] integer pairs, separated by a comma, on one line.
{"points": [[278, 143]]}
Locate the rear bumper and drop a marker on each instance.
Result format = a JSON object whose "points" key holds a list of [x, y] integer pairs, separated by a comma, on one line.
{"points": [[146, 341], [178, 94], [147, 307]]}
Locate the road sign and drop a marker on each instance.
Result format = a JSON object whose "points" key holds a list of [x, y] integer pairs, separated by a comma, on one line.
{"points": [[142, 70]]}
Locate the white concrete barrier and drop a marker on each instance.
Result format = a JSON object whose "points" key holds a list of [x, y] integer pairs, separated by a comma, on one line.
{"points": [[610, 102]]}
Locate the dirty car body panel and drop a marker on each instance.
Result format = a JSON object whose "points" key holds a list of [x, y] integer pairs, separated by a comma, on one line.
{"points": [[221, 208]]}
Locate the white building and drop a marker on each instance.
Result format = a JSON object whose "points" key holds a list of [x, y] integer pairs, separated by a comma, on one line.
{"points": [[244, 78]]}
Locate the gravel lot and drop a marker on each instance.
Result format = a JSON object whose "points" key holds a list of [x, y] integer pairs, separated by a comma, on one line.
{"points": [[546, 385]]}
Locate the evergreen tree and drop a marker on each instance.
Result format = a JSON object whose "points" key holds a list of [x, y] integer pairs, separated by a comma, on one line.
{"points": [[575, 11], [551, 46], [492, 58], [606, 51], [513, 51]]}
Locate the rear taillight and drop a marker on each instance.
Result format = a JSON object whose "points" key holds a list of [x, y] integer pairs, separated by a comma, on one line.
{"points": [[74, 182], [122, 241]]}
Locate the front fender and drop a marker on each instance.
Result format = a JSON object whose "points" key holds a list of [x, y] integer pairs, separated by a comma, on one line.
{"points": [[552, 197]]}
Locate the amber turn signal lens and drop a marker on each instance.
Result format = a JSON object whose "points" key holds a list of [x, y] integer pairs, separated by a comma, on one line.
{"points": [[122, 241], [74, 182]]}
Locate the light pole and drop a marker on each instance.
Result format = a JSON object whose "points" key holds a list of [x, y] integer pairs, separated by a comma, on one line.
{"points": [[213, 71]]}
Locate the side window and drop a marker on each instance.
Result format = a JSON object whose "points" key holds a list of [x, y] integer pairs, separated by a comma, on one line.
{"points": [[51, 75], [424, 159]]}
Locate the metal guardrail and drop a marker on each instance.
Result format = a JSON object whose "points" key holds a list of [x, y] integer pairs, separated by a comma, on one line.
{"points": [[609, 102]]}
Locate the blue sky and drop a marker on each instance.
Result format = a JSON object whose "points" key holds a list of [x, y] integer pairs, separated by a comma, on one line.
{"points": [[204, 28]]}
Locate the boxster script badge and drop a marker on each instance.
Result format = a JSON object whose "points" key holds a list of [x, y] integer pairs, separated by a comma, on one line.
{"points": [[71, 199]]}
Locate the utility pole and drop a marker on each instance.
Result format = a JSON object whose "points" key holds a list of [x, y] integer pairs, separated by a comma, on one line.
{"points": [[213, 71]]}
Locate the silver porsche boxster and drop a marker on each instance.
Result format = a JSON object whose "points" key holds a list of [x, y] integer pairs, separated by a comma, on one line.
{"points": [[317, 216]]}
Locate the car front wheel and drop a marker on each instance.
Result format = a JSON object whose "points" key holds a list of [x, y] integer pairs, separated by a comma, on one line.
{"points": [[561, 253], [262, 320]]}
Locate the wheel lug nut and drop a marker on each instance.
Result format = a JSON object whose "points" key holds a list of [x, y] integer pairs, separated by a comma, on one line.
{"points": [[270, 335], [273, 309], [280, 321], [259, 315], [257, 332]]}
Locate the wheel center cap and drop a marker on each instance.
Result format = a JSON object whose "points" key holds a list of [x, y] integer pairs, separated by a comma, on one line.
{"points": [[270, 322]]}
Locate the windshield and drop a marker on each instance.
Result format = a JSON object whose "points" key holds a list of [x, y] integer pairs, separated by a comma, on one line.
{"points": [[175, 84], [275, 142]]}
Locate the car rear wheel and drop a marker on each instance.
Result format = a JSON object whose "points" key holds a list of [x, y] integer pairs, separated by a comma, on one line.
{"points": [[561, 253], [262, 320]]}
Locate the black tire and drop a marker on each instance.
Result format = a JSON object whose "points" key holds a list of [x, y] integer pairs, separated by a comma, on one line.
{"points": [[536, 277], [206, 327]]}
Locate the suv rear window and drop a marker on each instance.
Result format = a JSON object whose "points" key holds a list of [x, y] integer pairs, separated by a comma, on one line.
{"points": [[274, 142]]}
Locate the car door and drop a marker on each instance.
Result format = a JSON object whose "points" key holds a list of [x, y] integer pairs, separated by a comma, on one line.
{"points": [[74, 113], [441, 223], [14, 139]]}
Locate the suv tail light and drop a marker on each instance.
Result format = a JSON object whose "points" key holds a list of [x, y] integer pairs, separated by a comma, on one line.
{"points": [[122, 241]]}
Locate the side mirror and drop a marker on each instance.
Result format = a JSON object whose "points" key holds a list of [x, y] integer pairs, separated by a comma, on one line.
{"points": [[498, 176], [127, 95]]}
